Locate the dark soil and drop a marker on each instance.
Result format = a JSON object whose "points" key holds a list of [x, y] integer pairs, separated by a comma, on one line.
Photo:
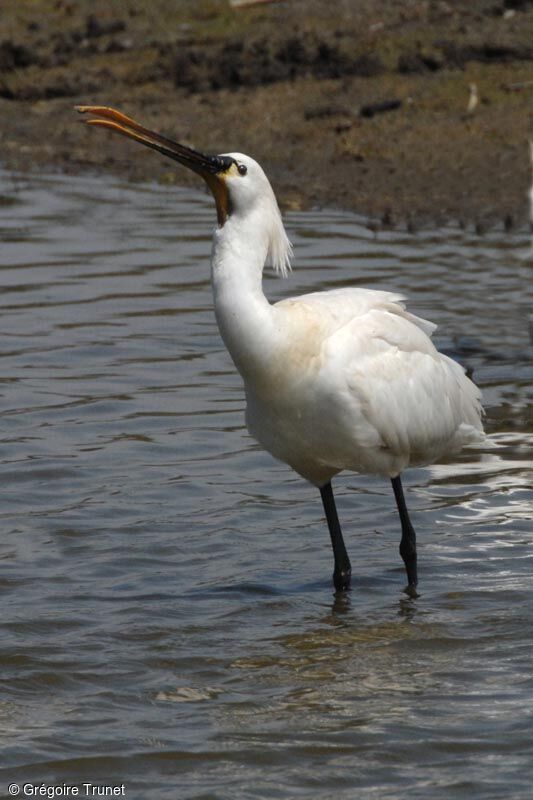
{"points": [[357, 105]]}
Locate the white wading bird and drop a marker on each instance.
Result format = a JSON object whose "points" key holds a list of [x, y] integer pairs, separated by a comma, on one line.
{"points": [[343, 379]]}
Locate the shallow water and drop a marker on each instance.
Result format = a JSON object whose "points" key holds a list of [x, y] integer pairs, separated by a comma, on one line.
{"points": [[168, 618]]}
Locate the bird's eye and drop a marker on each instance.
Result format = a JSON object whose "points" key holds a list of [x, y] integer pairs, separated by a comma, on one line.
{"points": [[243, 169]]}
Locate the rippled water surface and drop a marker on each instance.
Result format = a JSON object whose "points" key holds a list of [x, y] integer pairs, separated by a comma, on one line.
{"points": [[168, 620]]}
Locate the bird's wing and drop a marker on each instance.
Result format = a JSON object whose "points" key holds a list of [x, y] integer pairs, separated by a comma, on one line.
{"points": [[378, 367], [419, 401]]}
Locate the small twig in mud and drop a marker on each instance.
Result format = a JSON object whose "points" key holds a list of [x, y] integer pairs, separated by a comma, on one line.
{"points": [[518, 86], [246, 3], [370, 109], [319, 112]]}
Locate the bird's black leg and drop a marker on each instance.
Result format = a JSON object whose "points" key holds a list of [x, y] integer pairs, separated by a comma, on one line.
{"points": [[343, 570], [408, 541]]}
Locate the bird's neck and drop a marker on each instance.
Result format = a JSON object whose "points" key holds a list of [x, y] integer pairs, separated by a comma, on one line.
{"points": [[245, 317]]}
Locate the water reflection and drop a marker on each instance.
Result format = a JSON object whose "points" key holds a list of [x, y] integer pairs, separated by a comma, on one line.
{"points": [[167, 605]]}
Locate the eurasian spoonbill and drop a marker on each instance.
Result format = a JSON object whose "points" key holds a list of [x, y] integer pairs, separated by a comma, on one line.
{"points": [[334, 380]]}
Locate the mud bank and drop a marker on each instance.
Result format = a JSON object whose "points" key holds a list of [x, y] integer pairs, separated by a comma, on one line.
{"points": [[360, 108]]}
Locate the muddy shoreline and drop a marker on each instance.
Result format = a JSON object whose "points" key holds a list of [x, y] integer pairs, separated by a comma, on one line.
{"points": [[362, 109]]}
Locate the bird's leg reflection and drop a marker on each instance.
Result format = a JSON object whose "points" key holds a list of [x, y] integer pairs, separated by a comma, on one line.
{"points": [[342, 604], [407, 608], [408, 541], [343, 570]]}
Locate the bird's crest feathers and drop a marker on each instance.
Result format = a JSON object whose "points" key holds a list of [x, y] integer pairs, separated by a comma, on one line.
{"points": [[280, 249]]}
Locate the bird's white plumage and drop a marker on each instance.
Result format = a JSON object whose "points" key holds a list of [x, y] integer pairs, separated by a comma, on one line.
{"points": [[345, 379], [253, 199]]}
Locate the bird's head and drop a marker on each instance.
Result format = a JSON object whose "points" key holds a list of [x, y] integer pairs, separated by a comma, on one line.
{"points": [[238, 183]]}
